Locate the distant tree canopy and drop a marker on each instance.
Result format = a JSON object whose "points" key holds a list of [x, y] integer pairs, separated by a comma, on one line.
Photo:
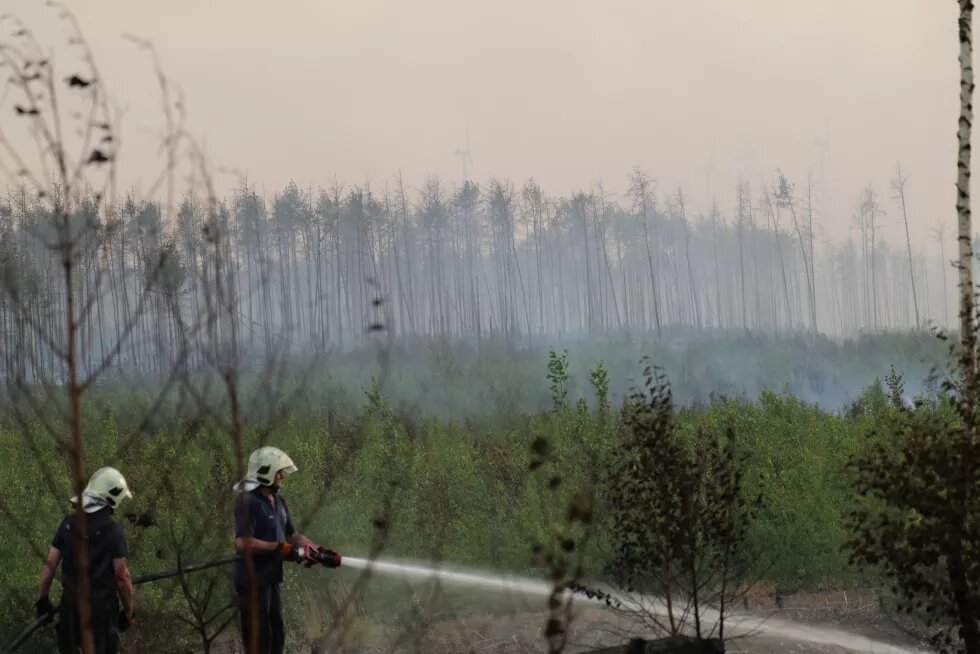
{"points": [[308, 265]]}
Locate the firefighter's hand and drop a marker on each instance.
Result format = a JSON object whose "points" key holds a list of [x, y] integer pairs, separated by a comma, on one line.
{"points": [[44, 608], [288, 553], [308, 555], [126, 621]]}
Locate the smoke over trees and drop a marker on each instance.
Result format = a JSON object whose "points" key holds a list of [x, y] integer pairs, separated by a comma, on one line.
{"points": [[470, 261]]}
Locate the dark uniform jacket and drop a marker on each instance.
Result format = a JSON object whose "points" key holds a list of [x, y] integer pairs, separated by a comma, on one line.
{"points": [[257, 517], [105, 541]]}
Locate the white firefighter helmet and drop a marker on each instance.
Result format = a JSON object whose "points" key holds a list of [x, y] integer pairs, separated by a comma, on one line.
{"points": [[106, 487], [263, 464]]}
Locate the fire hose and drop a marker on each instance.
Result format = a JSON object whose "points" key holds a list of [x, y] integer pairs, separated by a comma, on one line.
{"points": [[323, 556]]}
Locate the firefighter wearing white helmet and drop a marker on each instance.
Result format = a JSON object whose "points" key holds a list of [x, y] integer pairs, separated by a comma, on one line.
{"points": [[264, 537], [263, 464], [107, 487], [109, 578]]}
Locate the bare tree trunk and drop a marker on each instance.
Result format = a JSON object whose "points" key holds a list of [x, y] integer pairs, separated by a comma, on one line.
{"points": [[872, 215], [534, 202], [740, 200], [782, 262], [562, 315], [964, 237], [640, 190], [653, 275], [408, 252], [866, 305], [813, 260], [626, 290], [77, 454], [714, 240], [784, 197], [599, 218], [579, 206], [940, 234], [687, 256], [898, 185], [512, 243], [969, 631]]}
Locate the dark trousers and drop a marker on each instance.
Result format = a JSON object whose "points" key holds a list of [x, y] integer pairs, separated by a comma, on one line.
{"points": [[269, 625], [105, 625]]}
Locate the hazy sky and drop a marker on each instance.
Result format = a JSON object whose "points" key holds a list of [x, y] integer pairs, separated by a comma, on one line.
{"points": [[566, 91]]}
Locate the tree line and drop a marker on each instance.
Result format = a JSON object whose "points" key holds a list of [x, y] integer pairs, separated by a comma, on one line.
{"points": [[318, 269]]}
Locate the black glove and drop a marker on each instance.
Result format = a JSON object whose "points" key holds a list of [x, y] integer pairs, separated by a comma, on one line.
{"points": [[308, 555], [44, 608], [125, 622], [287, 552]]}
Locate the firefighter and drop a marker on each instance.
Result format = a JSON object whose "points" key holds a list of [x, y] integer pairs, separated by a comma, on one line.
{"points": [[265, 537], [109, 578]]}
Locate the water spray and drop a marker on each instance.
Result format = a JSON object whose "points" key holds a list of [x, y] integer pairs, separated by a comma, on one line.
{"points": [[499, 582], [735, 624]]}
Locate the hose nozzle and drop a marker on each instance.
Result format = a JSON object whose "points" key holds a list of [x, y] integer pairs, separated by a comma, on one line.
{"points": [[328, 557]]}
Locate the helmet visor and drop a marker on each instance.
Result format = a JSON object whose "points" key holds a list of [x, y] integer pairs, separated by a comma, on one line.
{"points": [[245, 485], [90, 503]]}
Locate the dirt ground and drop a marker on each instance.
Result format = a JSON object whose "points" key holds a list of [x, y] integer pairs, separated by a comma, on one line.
{"points": [[816, 623], [595, 628]]}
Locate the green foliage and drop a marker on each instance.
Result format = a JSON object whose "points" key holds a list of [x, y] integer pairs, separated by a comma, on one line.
{"points": [[566, 541], [896, 389], [442, 488], [375, 400], [599, 378], [917, 518], [679, 513], [558, 379]]}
